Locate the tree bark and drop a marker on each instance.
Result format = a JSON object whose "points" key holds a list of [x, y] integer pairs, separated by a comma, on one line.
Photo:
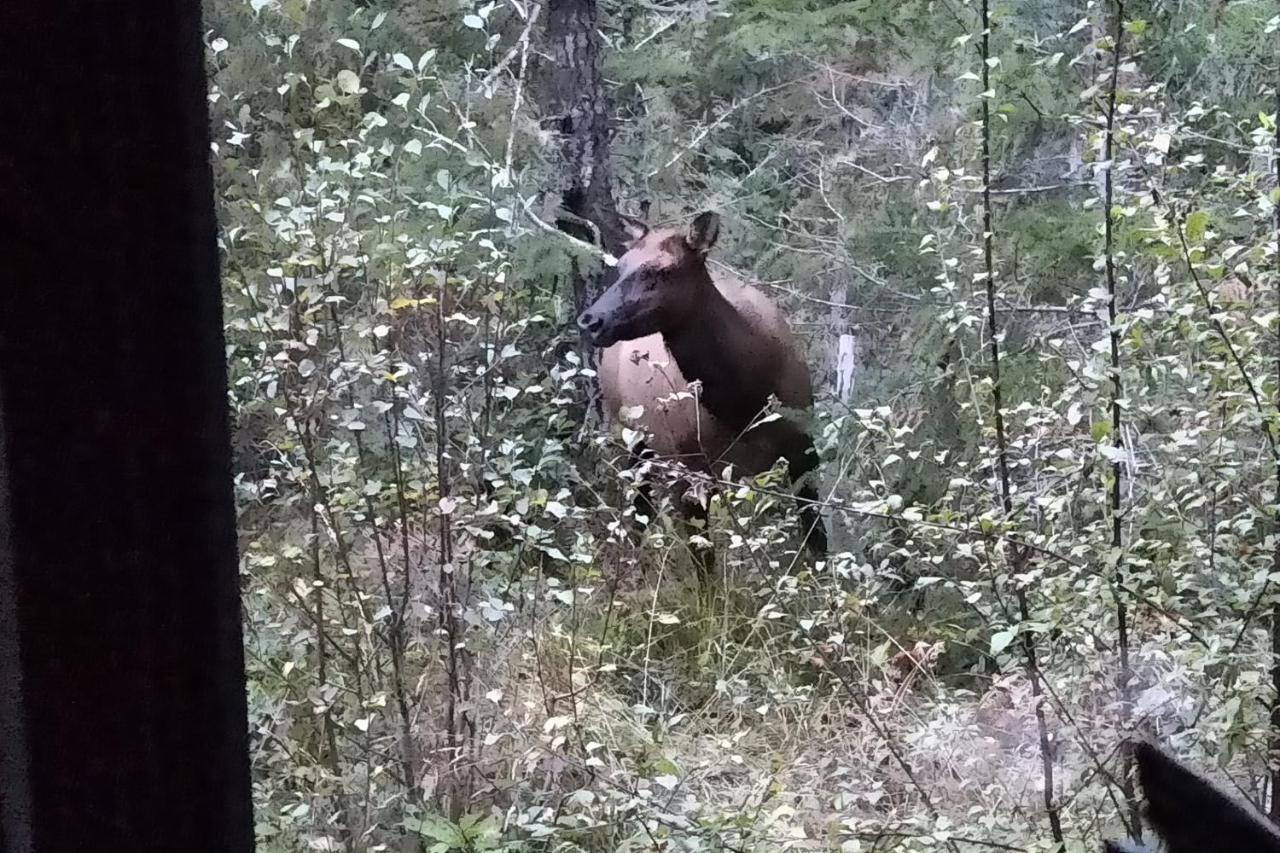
{"points": [[578, 105], [844, 346]]}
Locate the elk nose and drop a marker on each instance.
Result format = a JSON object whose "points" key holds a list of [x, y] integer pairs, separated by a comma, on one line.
{"points": [[589, 322]]}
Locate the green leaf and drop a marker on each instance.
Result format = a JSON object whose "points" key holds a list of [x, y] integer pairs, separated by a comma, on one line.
{"points": [[437, 829], [1196, 224], [1000, 641]]}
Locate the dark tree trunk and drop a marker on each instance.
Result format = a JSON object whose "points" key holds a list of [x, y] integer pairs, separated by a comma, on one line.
{"points": [[579, 107]]}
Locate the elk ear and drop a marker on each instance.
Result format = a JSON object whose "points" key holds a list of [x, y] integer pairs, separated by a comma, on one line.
{"points": [[703, 231], [633, 229]]}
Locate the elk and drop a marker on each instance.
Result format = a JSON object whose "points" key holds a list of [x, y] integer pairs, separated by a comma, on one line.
{"points": [[667, 321]]}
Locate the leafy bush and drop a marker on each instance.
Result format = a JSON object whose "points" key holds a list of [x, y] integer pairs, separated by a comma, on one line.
{"points": [[458, 639]]}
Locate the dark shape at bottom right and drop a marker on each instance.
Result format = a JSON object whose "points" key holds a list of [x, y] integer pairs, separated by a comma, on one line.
{"points": [[1190, 814]]}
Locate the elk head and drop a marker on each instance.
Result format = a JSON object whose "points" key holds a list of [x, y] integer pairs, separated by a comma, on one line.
{"points": [[662, 280]]}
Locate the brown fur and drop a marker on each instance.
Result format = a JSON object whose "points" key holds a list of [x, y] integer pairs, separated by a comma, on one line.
{"points": [[643, 373], [666, 321]]}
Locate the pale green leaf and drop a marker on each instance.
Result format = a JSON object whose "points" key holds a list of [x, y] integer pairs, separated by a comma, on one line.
{"points": [[348, 82]]}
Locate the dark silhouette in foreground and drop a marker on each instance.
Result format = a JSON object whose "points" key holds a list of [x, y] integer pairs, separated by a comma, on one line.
{"points": [[1190, 814]]}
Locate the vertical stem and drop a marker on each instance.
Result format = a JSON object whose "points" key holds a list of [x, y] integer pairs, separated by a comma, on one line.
{"points": [[397, 634], [396, 627], [1275, 558], [1018, 556], [329, 746], [1125, 677], [448, 589], [322, 655], [989, 266]]}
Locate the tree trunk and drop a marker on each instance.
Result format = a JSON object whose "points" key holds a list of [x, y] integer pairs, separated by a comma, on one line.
{"points": [[579, 106], [844, 349]]}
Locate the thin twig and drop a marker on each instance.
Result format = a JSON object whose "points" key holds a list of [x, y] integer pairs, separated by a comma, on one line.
{"points": [[595, 251], [1018, 556], [706, 131], [1220, 330], [517, 99], [860, 700], [1043, 188], [1275, 558], [1117, 435]]}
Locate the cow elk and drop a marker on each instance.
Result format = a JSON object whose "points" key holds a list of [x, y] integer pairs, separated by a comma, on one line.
{"points": [[667, 321]]}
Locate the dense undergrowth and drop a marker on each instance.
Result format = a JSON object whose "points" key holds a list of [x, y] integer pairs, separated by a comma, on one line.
{"points": [[458, 640]]}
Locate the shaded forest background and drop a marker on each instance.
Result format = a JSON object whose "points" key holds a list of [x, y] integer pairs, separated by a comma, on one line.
{"points": [[456, 639]]}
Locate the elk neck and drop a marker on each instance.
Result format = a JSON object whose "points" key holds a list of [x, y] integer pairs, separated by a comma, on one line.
{"points": [[716, 345]]}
